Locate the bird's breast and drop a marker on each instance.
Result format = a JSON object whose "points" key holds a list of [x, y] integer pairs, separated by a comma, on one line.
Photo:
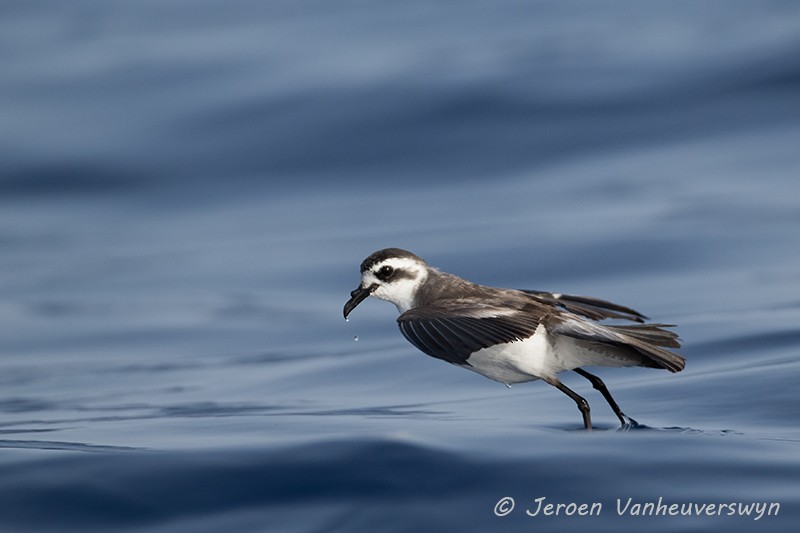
{"points": [[518, 361]]}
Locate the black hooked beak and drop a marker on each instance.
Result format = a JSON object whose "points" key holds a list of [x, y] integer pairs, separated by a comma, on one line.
{"points": [[356, 297]]}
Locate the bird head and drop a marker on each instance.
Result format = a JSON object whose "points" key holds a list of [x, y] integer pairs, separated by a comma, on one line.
{"points": [[390, 274]]}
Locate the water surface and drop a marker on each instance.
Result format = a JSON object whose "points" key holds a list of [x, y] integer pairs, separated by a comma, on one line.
{"points": [[186, 193]]}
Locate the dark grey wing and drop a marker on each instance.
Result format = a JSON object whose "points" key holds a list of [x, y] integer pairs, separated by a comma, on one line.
{"points": [[593, 308], [454, 329]]}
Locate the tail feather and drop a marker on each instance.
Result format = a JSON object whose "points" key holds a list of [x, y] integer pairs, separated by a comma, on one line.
{"points": [[661, 357], [648, 340], [652, 333]]}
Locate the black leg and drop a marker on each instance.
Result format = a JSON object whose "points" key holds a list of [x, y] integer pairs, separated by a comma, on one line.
{"points": [[583, 405], [598, 384]]}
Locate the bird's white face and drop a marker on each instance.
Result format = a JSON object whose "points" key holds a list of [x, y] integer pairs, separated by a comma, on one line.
{"points": [[394, 279]]}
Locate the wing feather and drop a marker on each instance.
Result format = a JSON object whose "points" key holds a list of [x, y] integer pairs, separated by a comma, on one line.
{"points": [[454, 330], [593, 308]]}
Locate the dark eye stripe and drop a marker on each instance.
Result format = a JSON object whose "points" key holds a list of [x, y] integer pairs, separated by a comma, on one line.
{"points": [[387, 273]]}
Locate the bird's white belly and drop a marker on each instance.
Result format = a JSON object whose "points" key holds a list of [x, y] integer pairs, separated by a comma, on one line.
{"points": [[541, 356], [518, 361]]}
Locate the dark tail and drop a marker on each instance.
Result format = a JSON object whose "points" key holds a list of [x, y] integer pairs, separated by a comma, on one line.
{"points": [[650, 340]]}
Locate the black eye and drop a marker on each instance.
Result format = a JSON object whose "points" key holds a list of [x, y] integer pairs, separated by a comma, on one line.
{"points": [[385, 272]]}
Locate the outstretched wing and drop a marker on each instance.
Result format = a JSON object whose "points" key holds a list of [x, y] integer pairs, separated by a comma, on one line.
{"points": [[593, 308], [453, 329]]}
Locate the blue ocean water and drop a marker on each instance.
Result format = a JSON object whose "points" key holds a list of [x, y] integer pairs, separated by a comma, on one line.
{"points": [[187, 190]]}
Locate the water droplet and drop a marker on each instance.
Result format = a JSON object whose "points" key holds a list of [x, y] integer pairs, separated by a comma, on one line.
{"points": [[355, 338], [346, 319], [507, 385]]}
